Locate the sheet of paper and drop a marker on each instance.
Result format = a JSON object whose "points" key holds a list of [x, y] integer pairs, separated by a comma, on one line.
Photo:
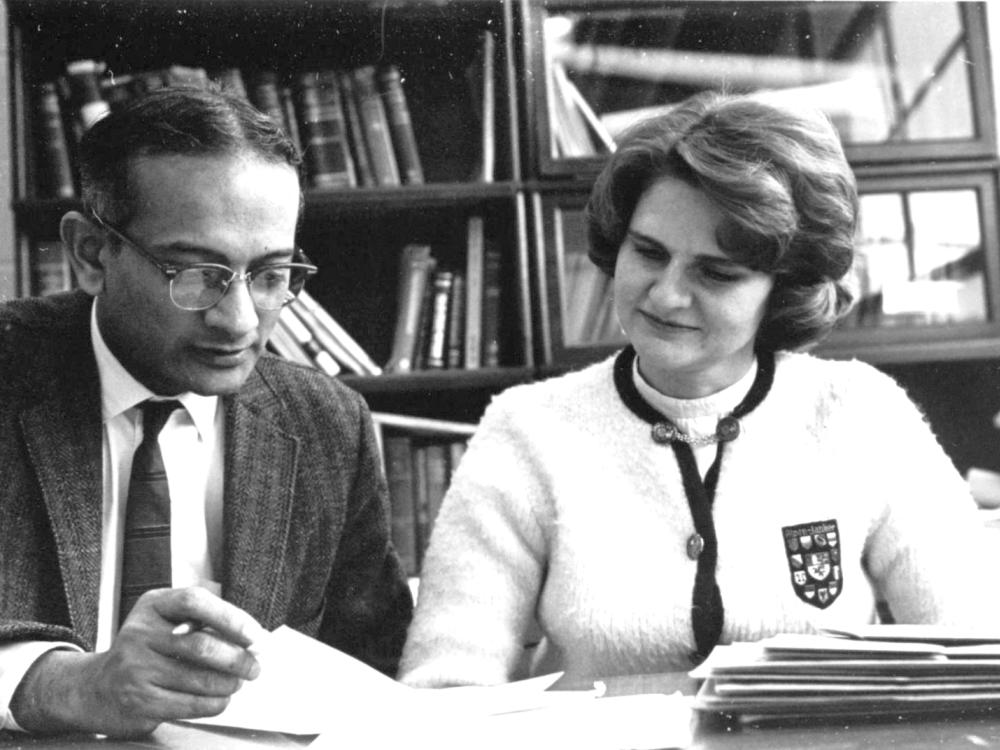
{"points": [[633, 722], [307, 687]]}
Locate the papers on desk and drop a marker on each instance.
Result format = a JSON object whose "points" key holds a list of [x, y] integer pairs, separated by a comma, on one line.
{"points": [[306, 687], [880, 669]]}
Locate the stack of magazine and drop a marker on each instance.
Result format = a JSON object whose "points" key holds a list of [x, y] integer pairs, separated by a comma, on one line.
{"points": [[878, 670]]}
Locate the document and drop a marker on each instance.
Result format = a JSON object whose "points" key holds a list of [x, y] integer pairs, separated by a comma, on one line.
{"points": [[308, 688]]}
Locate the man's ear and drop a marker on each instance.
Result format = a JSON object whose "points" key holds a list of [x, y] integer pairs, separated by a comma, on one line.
{"points": [[83, 241]]}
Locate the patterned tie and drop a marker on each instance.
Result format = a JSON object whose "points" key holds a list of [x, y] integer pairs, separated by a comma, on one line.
{"points": [[146, 549]]}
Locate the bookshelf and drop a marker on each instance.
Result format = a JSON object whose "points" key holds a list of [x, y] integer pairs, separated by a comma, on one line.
{"points": [[531, 199], [291, 58]]}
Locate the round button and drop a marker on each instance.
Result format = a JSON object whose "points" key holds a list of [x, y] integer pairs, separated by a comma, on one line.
{"points": [[727, 429], [663, 432], [695, 545]]}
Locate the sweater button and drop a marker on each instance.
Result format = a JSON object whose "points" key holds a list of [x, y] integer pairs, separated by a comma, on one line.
{"points": [[695, 545], [663, 432]]}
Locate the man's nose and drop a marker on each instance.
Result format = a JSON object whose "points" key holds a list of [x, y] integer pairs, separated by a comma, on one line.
{"points": [[236, 311]]}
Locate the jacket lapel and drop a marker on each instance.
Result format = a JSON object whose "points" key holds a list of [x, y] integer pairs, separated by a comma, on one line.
{"points": [[259, 479], [62, 435]]}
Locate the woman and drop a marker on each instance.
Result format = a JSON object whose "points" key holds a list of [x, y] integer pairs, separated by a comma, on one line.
{"points": [[708, 484]]}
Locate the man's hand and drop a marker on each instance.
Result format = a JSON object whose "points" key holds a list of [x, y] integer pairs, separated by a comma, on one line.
{"points": [[150, 674]]}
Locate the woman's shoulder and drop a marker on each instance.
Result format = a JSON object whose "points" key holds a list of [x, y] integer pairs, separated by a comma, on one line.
{"points": [[578, 390], [833, 379]]}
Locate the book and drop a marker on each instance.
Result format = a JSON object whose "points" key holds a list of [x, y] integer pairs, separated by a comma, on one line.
{"points": [[375, 124], [355, 131], [231, 80], [287, 100], [481, 76], [421, 499], [404, 140], [323, 338], [50, 268], [421, 344], [474, 261], [416, 266], [284, 345], [86, 102], [454, 351], [321, 358], [326, 151], [492, 282], [263, 94], [55, 174], [438, 338], [361, 361], [403, 519], [438, 473]]}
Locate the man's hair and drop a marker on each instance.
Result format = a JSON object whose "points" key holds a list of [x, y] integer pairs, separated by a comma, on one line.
{"points": [[783, 184], [175, 120]]}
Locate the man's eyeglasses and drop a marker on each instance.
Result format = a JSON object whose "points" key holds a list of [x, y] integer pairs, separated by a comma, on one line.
{"points": [[199, 286]]}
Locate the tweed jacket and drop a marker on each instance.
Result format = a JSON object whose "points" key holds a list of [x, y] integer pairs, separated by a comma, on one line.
{"points": [[306, 525]]}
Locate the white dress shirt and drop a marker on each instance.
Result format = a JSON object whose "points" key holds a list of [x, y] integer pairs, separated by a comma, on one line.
{"points": [[192, 444]]}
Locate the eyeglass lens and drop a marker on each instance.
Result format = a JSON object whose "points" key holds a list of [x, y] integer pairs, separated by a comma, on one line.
{"points": [[271, 287]]}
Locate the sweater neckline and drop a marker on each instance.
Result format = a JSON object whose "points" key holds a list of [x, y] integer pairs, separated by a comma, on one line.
{"points": [[633, 400]]}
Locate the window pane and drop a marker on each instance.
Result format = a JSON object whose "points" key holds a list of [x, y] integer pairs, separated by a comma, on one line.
{"points": [[920, 259], [884, 72]]}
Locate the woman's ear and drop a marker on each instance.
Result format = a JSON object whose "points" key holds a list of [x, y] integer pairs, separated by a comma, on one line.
{"points": [[83, 241]]}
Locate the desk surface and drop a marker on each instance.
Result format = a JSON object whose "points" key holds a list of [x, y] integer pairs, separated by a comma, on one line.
{"points": [[953, 732]]}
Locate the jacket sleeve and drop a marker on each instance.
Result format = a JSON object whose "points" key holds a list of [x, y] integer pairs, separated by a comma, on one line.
{"points": [[369, 601]]}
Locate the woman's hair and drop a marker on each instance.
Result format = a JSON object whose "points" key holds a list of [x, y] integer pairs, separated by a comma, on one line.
{"points": [[784, 187], [174, 120]]}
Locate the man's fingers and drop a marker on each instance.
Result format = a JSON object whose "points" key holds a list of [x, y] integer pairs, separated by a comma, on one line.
{"points": [[205, 649], [199, 608]]}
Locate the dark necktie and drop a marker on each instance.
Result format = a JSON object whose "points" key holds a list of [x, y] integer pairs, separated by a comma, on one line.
{"points": [[146, 548]]}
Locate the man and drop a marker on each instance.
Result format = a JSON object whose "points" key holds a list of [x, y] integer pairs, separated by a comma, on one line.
{"points": [[184, 254]]}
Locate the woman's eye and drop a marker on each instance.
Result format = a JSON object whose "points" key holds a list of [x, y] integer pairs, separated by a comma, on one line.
{"points": [[719, 275], [649, 251]]}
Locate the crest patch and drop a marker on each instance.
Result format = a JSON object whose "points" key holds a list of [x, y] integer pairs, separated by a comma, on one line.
{"points": [[813, 554]]}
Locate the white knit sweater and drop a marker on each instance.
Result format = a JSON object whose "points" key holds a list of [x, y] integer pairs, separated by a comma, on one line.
{"points": [[566, 519]]}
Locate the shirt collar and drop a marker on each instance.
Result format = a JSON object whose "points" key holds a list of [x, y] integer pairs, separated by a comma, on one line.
{"points": [[714, 405], [120, 391]]}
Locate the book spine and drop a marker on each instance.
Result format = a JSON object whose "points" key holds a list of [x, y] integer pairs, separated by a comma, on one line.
{"points": [[323, 337], [436, 345], [320, 357], [285, 345], [488, 145], [325, 148], [491, 305], [366, 364], [404, 140], [263, 94], [416, 267], [50, 269], [399, 477], [420, 346], [376, 127], [475, 248], [83, 77], [55, 172], [231, 80], [421, 498], [289, 117], [456, 322], [437, 481], [356, 133]]}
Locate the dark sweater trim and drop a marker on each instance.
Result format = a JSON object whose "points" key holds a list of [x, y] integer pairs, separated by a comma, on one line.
{"points": [[707, 611]]}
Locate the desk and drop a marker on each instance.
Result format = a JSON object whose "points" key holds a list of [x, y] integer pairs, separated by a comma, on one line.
{"points": [[954, 732]]}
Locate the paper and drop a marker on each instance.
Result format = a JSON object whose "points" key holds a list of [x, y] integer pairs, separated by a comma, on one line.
{"points": [[307, 687]]}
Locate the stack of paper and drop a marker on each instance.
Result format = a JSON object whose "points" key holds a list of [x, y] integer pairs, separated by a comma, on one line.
{"points": [[876, 670]]}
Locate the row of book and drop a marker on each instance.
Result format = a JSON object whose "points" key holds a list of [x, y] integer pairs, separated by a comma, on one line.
{"points": [[420, 457], [448, 318], [353, 127]]}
